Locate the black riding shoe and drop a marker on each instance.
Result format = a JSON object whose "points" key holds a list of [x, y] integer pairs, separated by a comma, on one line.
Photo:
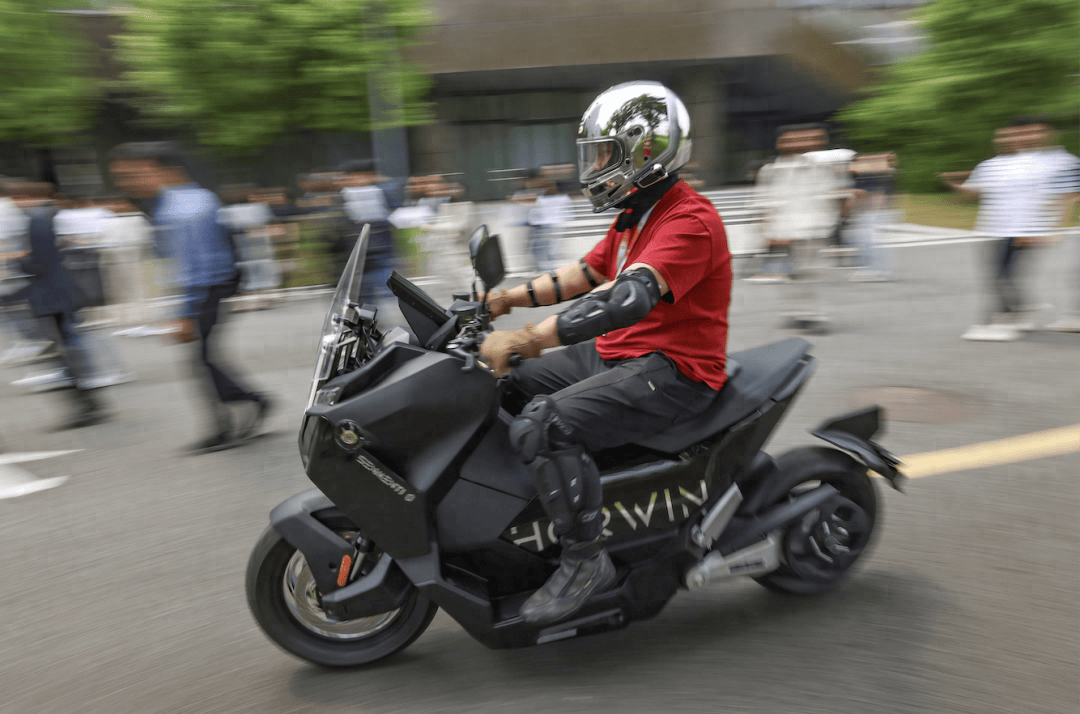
{"points": [[585, 569]]}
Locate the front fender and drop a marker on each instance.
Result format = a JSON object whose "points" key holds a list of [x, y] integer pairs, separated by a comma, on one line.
{"points": [[853, 432], [323, 549], [383, 589]]}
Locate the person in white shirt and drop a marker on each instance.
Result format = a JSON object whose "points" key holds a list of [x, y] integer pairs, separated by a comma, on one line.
{"points": [[249, 221], [28, 342], [1020, 194], [365, 201], [802, 192], [550, 210], [1067, 184]]}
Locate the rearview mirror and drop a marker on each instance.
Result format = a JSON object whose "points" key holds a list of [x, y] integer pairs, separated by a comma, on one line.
{"points": [[487, 260]]}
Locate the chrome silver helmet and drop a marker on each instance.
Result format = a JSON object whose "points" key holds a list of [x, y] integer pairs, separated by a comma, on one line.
{"points": [[633, 135]]}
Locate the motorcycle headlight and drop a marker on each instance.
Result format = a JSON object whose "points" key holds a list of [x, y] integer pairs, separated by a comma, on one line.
{"points": [[327, 396]]}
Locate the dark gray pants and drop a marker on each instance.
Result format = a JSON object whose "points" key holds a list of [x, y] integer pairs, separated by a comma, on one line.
{"points": [[218, 386], [608, 403], [1006, 284]]}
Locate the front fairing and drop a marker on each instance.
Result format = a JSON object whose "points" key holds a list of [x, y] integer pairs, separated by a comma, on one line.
{"points": [[384, 451]]}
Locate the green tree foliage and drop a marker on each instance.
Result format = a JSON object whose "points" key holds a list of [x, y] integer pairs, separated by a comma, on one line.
{"points": [[989, 60], [46, 95], [244, 72]]}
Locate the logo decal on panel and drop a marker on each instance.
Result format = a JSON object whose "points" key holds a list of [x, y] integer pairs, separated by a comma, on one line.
{"points": [[652, 510], [386, 478]]}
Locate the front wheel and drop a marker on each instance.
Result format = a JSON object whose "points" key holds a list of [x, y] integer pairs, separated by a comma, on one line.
{"points": [[282, 595], [821, 548]]}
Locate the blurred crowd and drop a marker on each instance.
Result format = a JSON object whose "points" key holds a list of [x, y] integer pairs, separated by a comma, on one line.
{"points": [[100, 268], [822, 206], [78, 273]]}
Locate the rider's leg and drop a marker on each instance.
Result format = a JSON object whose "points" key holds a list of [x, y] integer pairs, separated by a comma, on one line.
{"points": [[569, 485], [595, 405], [551, 373]]}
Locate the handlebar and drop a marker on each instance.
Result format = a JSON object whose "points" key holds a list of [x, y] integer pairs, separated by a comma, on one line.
{"points": [[468, 349]]}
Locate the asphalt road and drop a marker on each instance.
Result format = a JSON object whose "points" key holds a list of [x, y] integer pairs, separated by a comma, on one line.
{"points": [[121, 590]]}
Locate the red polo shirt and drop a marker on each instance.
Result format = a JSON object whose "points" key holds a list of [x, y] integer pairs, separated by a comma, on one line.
{"points": [[684, 240]]}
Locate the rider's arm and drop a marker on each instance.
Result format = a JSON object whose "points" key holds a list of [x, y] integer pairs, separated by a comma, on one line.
{"points": [[627, 311], [572, 280]]}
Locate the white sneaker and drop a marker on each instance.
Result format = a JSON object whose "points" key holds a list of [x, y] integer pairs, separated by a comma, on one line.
{"points": [[23, 352], [991, 333], [764, 279], [153, 330], [99, 381], [1068, 323], [868, 276], [46, 381]]}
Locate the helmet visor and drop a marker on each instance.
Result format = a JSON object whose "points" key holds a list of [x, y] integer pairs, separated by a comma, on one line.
{"points": [[597, 157]]}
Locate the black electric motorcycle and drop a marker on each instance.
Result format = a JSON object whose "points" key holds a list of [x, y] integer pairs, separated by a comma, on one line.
{"points": [[421, 502]]}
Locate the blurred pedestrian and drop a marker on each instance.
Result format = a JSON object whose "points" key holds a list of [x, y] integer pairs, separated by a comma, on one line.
{"points": [[365, 197], [53, 298], [249, 220], [871, 209], [550, 210], [127, 236], [283, 231], [205, 263], [444, 223], [1067, 184], [83, 233], [802, 193], [28, 341], [1020, 196], [772, 196]]}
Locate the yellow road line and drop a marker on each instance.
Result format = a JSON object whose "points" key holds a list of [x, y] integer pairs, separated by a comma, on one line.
{"points": [[994, 453]]}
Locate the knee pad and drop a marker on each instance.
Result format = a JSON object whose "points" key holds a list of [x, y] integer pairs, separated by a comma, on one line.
{"points": [[538, 429], [562, 469]]}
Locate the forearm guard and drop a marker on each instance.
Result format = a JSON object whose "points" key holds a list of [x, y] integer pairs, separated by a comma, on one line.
{"points": [[627, 302]]}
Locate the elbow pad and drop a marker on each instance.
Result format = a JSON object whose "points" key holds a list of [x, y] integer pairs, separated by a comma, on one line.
{"points": [[627, 302]]}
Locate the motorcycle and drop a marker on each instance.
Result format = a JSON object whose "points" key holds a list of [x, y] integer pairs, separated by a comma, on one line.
{"points": [[421, 503]]}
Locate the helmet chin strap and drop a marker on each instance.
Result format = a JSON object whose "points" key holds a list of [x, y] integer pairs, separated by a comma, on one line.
{"points": [[643, 197]]}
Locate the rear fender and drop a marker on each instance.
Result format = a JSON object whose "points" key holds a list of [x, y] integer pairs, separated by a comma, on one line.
{"points": [[853, 433]]}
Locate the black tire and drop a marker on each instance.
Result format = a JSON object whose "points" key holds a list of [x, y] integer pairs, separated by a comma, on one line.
{"points": [[267, 598], [800, 467]]}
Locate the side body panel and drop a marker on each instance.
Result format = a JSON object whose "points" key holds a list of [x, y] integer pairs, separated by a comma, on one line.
{"points": [[413, 423]]}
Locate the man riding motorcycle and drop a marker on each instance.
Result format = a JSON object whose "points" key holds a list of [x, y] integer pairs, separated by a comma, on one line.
{"points": [[646, 342]]}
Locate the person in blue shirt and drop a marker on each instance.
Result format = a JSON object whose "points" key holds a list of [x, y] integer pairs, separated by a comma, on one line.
{"points": [[204, 260]]}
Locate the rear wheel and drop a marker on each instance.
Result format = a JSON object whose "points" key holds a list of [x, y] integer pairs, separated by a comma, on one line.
{"points": [[821, 548], [283, 597]]}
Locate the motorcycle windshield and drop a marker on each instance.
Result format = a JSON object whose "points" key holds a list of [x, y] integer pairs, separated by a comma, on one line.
{"points": [[348, 291]]}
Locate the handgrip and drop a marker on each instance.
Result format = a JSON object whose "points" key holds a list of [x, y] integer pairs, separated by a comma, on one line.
{"points": [[515, 360]]}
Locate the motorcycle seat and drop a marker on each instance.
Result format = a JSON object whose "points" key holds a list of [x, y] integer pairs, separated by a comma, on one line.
{"points": [[754, 375]]}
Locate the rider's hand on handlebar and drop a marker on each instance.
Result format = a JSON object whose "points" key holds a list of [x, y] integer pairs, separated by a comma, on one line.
{"points": [[498, 303], [498, 347]]}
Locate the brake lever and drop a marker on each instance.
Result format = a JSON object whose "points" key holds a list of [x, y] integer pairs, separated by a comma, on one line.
{"points": [[470, 359]]}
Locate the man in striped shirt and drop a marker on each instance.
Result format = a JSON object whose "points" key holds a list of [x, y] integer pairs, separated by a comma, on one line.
{"points": [[1020, 195], [1068, 184]]}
